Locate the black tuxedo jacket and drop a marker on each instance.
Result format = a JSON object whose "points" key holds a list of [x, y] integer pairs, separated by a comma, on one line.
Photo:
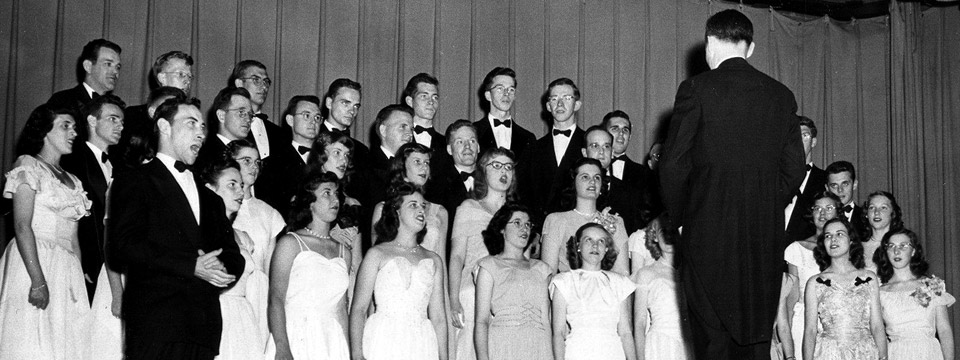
{"points": [[732, 161], [626, 200], [275, 135], [859, 221], [213, 149], [541, 179], [73, 99], [446, 188], [634, 174], [520, 138], [282, 173], [136, 124], [379, 179], [86, 166], [801, 225], [155, 239]]}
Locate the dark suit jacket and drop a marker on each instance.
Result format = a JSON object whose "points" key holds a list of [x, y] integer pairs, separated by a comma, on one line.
{"points": [[275, 135], [801, 225], [86, 166], [446, 188], [626, 200], [74, 99], [379, 170], [859, 221], [520, 138], [154, 238], [732, 161], [282, 173], [634, 174], [213, 149], [541, 179]]}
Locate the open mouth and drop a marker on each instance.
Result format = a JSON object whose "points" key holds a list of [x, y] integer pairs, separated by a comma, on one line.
{"points": [[421, 218], [897, 259], [195, 149], [503, 179], [834, 246], [594, 252], [342, 168], [335, 207], [591, 188], [877, 219]]}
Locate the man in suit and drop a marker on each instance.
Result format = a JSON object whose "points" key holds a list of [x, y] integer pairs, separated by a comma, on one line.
{"points": [[172, 69], [171, 237], [284, 170], [100, 64], [421, 94], [91, 163], [230, 118], [618, 124], [622, 198], [842, 182], [394, 126], [732, 161], [453, 182], [544, 167], [498, 128], [799, 226], [252, 75]]}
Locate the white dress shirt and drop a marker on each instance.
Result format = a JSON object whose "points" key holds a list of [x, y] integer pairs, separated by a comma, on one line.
{"points": [[503, 134], [105, 167], [560, 142], [186, 182], [259, 131]]}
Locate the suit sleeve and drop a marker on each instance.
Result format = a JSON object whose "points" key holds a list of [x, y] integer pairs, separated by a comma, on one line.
{"points": [[676, 164], [129, 244], [226, 239], [792, 170]]}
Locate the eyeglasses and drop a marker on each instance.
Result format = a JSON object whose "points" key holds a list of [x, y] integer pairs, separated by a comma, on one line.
{"points": [[259, 81], [499, 165], [599, 146], [504, 90], [521, 224], [180, 74], [311, 116], [242, 112], [901, 247], [248, 161], [554, 99], [818, 209]]}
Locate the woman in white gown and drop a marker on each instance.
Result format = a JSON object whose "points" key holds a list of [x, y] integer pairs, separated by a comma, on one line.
{"points": [[309, 277], [410, 319], [261, 222], [591, 305], [240, 338], [43, 299], [658, 300]]}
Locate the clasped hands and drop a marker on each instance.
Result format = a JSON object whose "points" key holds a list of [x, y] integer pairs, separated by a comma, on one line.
{"points": [[209, 268]]}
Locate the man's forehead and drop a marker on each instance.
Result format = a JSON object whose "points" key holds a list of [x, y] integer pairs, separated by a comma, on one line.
{"points": [[428, 88], [254, 70], [465, 132], [839, 177], [619, 122], [600, 137], [503, 80]]}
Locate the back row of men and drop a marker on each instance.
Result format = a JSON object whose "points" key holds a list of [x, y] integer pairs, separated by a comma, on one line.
{"points": [[114, 135]]}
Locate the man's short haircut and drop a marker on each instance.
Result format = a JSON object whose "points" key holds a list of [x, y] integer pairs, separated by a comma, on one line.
{"points": [[840, 166], [457, 125], [91, 51], [568, 82], [169, 108], [241, 68], [387, 111], [176, 54], [805, 121], [221, 102], [292, 105], [164, 91], [730, 26], [593, 128], [335, 87], [95, 108], [411, 89], [616, 113]]}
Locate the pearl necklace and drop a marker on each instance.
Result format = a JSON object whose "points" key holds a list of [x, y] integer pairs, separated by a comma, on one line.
{"points": [[585, 215], [404, 248], [315, 234]]}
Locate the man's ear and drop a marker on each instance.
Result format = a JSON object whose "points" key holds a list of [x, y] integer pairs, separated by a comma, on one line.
{"points": [[91, 122], [221, 116], [289, 120], [238, 83], [408, 100], [813, 143], [583, 152], [750, 49], [164, 126], [449, 150], [576, 105], [87, 66]]}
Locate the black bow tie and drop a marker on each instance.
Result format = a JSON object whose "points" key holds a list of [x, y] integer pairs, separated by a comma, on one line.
{"points": [[562, 132], [94, 96], [303, 149], [465, 175], [419, 129], [809, 167], [180, 166], [619, 158], [262, 116], [104, 158], [338, 131], [505, 123], [848, 208]]}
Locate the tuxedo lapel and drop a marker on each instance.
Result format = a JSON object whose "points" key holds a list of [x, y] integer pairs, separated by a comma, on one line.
{"points": [[97, 181], [573, 152], [175, 198]]}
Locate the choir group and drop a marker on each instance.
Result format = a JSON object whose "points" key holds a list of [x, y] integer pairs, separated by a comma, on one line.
{"points": [[173, 230]]}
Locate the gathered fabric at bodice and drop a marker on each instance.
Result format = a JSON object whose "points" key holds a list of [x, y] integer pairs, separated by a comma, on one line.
{"points": [[593, 299], [519, 295], [57, 208], [317, 284], [844, 310], [403, 289]]}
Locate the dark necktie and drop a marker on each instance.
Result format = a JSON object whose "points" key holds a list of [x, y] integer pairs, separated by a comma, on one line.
{"points": [[303, 149], [562, 132], [465, 175], [506, 123], [847, 209], [180, 166], [104, 158], [809, 167], [419, 129]]}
